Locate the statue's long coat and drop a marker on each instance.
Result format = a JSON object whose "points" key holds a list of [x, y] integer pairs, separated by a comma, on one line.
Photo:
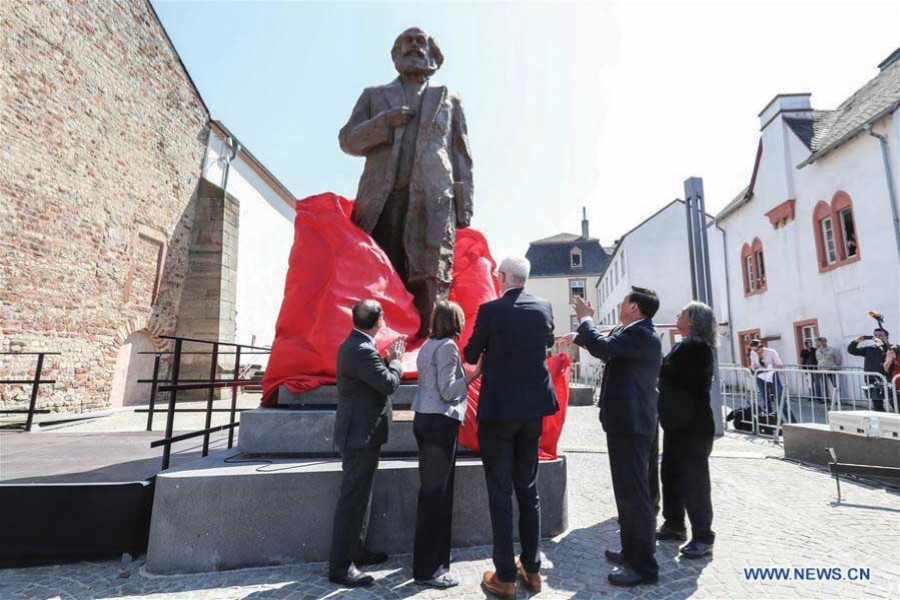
{"points": [[442, 158]]}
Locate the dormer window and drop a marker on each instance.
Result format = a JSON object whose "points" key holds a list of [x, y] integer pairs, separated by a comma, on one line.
{"points": [[575, 258]]}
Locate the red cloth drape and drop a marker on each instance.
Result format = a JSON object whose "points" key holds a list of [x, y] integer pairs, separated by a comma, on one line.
{"points": [[332, 265]]}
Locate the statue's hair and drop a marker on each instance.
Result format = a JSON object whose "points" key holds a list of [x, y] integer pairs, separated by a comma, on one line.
{"points": [[433, 48]]}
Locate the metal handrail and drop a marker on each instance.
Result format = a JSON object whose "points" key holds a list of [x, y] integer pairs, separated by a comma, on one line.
{"points": [[36, 382], [175, 384]]}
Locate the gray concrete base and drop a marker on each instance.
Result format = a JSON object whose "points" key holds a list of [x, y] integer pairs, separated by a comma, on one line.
{"points": [[288, 431], [212, 515], [327, 394], [581, 395], [807, 442]]}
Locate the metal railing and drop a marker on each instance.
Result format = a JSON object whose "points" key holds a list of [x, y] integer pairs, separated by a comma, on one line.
{"points": [[587, 374], [35, 382], [802, 395], [175, 385]]}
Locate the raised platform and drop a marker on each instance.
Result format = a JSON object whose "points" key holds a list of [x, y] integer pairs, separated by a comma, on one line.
{"points": [[807, 442], [284, 431], [228, 511]]}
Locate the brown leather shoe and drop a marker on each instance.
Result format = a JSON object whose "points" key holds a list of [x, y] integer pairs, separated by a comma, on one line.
{"points": [[532, 580], [495, 587]]}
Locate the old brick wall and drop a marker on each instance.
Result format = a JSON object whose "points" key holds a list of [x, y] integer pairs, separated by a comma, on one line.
{"points": [[103, 138]]}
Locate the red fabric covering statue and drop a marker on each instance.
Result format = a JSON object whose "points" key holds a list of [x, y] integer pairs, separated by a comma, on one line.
{"points": [[332, 265]]}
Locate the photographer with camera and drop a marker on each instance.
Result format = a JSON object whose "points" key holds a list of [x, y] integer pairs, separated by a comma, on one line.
{"points": [[876, 360]]}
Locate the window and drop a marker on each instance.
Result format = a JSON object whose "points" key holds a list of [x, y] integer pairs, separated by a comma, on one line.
{"points": [[576, 288], [760, 266], [830, 246], [837, 239], [750, 275], [573, 323], [575, 258], [753, 268], [848, 232], [805, 331]]}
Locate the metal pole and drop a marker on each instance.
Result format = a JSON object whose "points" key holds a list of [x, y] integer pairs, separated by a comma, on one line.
{"points": [[237, 370], [690, 237], [701, 277], [170, 414], [209, 397], [153, 388], [35, 385]]}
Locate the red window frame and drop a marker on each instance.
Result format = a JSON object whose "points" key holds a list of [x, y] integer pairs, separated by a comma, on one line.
{"points": [[753, 268], [840, 202]]}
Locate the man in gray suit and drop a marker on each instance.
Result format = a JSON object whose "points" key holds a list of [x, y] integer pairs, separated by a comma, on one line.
{"points": [[364, 384], [416, 188]]}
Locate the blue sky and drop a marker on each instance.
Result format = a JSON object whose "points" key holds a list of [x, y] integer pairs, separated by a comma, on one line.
{"points": [[605, 105]]}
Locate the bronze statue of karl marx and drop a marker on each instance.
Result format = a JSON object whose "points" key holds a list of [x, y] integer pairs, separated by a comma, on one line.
{"points": [[416, 188]]}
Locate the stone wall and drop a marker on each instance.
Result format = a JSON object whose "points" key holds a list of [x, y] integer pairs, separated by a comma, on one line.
{"points": [[103, 140]]}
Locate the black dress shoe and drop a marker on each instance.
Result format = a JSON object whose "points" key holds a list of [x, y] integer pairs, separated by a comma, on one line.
{"points": [[626, 577], [370, 558], [352, 578], [667, 532], [695, 549], [614, 557]]}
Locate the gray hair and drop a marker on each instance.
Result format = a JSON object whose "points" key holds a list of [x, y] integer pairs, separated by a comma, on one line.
{"points": [[703, 323], [517, 268]]}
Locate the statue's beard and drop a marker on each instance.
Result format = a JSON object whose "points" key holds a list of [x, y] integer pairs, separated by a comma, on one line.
{"points": [[414, 64]]}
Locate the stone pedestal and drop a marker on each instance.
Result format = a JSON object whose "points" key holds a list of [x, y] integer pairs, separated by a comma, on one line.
{"points": [[229, 512]]}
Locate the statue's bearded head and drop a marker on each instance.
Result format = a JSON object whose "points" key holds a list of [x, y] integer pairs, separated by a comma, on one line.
{"points": [[416, 53]]}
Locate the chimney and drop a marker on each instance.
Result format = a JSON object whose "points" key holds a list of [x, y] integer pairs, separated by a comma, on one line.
{"points": [[584, 223], [889, 60], [795, 106]]}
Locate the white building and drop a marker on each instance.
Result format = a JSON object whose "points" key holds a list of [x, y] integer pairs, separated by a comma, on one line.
{"points": [[655, 255], [564, 266], [265, 234], [811, 241]]}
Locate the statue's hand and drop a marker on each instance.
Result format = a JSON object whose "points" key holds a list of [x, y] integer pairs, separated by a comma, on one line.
{"points": [[397, 117]]}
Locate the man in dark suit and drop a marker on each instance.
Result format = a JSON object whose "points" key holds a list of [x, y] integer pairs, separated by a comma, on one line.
{"points": [[513, 333], [364, 384], [628, 413]]}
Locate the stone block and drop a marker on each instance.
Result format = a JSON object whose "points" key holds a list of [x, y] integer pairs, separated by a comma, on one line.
{"points": [[581, 395], [327, 394], [807, 442], [285, 431]]}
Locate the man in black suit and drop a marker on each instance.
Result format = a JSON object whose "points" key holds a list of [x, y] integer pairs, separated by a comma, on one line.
{"points": [[513, 333], [628, 413], [364, 384]]}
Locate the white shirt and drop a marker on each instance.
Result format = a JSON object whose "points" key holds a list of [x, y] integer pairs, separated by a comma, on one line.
{"points": [[772, 360]]}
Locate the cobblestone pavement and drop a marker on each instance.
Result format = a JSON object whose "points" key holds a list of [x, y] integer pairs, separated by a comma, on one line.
{"points": [[769, 513]]}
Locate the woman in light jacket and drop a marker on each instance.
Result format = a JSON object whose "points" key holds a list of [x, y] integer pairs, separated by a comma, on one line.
{"points": [[440, 407]]}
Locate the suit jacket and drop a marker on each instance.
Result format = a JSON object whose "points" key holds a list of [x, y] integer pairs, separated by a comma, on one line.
{"points": [[628, 392], [364, 383], [441, 176], [514, 333], [684, 382], [442, 388]]}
